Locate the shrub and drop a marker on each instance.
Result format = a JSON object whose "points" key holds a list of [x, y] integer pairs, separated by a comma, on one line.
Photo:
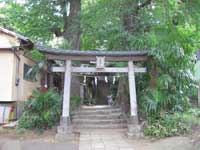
{"points": [[89, 101], [192, 116], [75, 102], [154, 103], [41, 111], [170, 125]]}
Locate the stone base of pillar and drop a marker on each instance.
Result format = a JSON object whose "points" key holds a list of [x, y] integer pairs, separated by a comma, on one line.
{"points": [[134, 129], [64, 121], [65, 134], [133, 120], [65, 130]]}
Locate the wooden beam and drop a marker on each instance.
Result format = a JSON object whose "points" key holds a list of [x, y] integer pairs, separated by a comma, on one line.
{"points": [[132, 92], [58, 69], [93, 58], [93, 69]]}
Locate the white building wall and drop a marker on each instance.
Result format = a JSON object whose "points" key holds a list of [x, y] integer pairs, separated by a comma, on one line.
{"points": [[26, 87], [6, 75], [9, 72]]}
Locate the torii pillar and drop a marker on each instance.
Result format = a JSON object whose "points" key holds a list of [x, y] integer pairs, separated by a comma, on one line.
{"points": [[132, 93], [134, 129], [65, 120], [65, 127]]}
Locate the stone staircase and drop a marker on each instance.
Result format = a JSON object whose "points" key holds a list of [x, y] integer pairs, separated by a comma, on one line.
{"points": [[98, 117]]}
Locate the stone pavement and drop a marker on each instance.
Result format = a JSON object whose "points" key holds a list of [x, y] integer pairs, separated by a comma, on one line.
{"points": [[11, 144], [104, 140], [97, 140]]}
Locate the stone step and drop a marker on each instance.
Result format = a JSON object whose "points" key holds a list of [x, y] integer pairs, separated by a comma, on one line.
{"points": [[101, 131], [98, 116], [102, 109], [97, 107], [100, 126], [98, 111], [98, 121]]}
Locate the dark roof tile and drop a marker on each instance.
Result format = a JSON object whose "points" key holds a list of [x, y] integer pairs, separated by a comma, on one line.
{"points": [[118, 53]]}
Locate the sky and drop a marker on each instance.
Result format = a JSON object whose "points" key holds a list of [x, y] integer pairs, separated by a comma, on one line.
{"points": [[20, 1], [2, 3]]}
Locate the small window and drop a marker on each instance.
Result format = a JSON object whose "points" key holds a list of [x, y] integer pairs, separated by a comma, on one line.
{"points": [[26, 69]]}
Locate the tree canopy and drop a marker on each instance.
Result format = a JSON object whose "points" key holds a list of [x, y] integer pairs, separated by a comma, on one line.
{"points": [[168, 29]]}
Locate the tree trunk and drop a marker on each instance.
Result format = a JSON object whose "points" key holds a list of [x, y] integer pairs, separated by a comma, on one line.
{"points": [[72, 30], [72, 34], [122, 95]]}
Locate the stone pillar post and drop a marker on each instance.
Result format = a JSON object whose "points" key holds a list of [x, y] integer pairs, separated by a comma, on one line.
{"points": [[134, 130], [66, 96], [132, 93], [65, 130], [198, 101]]}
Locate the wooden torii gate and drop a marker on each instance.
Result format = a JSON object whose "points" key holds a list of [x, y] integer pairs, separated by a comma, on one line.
{"points": [[100, 57]]}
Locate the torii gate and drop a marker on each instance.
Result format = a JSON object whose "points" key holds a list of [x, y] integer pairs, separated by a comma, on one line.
{"points": [[100, 57]]}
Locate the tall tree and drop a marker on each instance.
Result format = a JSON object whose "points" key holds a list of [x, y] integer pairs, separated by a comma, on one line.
{"points": [[43, 20], [168, 29]]}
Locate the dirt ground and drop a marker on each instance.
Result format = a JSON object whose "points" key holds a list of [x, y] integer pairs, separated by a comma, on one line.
{"points": [[9, 140]]}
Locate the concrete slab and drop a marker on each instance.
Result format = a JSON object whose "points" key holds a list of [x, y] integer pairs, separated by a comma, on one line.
{"points": [[9, 144], [48, 146], [104, 140]]}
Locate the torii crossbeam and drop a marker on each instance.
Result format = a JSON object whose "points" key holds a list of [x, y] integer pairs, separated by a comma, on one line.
{"points": [[100, 57]]}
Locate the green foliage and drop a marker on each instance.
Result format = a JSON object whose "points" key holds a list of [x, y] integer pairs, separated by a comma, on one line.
{"points": [[195, 112], [89, 101], [42, 111], [35, 70], [36, 55], [106, 32], [33, 18], [155, 103], [75, 102], [192, 116], [172, 124], [168, 29], [166, 127]]}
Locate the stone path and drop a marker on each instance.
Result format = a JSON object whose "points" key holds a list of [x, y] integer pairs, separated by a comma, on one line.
{"points": [[117, 140], [28, 145], [98, 140], [43, 143], [104, 140]]}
